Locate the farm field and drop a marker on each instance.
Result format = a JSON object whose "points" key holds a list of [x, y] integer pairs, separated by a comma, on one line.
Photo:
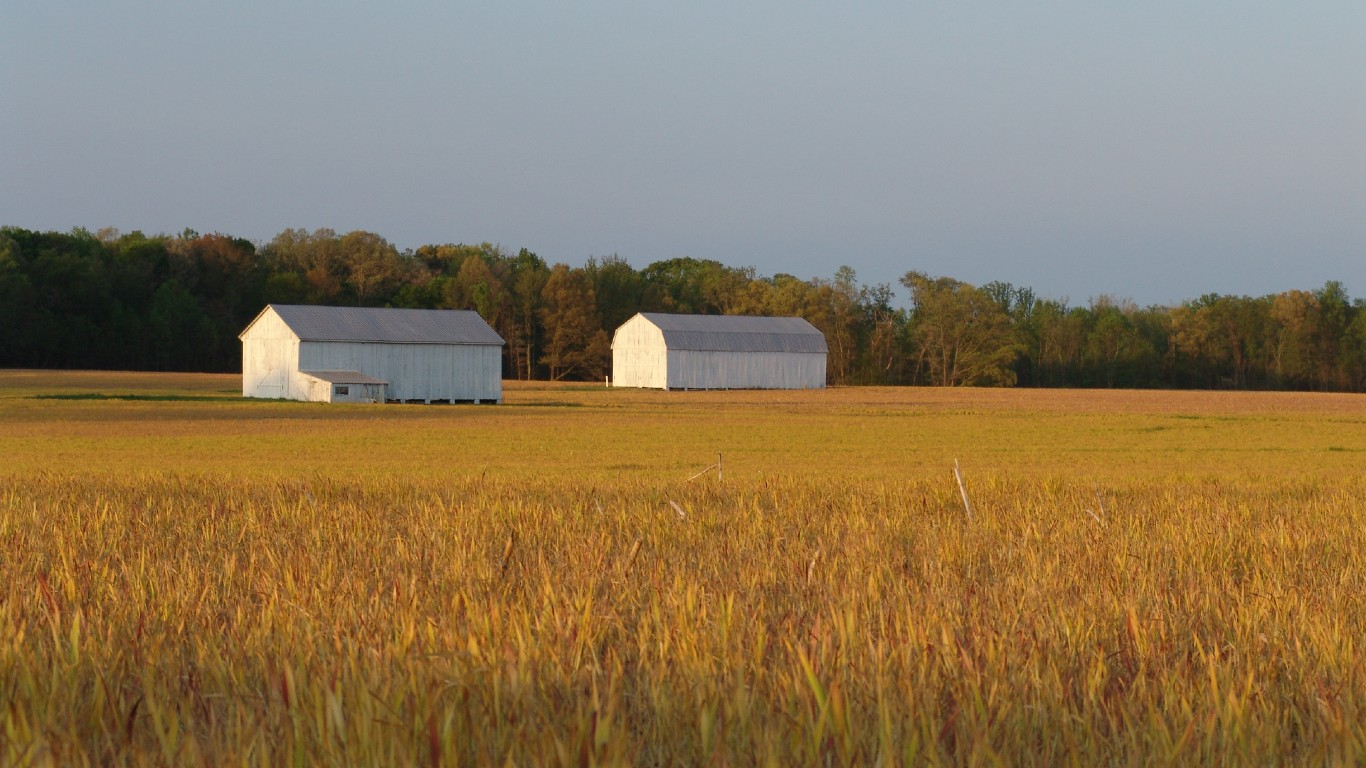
{"points": [[190, 578]]}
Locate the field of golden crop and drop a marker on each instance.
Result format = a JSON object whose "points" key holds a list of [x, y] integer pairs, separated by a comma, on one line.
{"points": [[188, 578]]}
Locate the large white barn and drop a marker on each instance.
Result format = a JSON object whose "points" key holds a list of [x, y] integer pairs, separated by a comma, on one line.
{"points": [[662, 351], [369, 354]]}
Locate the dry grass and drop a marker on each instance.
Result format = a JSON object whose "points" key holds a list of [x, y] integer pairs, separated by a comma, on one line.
{"points": [[1149, 577]]}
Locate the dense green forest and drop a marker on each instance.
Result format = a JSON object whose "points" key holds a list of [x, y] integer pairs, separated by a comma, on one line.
{"points": [[108, 300]]}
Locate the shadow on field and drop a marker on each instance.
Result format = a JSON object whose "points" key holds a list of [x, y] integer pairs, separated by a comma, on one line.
{"points": [[142, 398]]}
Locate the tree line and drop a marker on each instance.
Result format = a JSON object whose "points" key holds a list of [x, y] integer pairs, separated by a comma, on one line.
{"points": [[109, 300]]}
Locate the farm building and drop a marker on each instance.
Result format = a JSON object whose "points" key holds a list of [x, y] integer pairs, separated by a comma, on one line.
{"points": [[368, 354], [663, 351]]}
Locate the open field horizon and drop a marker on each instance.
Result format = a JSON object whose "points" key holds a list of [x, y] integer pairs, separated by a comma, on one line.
{"points": [[1146, 576], [582, 430]]}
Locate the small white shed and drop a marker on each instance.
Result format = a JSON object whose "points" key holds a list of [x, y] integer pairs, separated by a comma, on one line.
{"points": [[663, 351], [370, 354]]}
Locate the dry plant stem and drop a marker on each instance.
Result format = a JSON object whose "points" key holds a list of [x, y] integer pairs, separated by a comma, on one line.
{"points": [[962, 489], [716, 466], [507, 555]]}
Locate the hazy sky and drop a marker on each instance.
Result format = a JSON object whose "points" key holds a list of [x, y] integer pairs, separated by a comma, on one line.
{"points": [[1154, 150]]}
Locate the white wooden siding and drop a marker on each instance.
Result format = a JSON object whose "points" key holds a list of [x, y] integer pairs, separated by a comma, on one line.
{"points": [[322, 391], [270, 359], [696, 369], [319, 391], [639, 357], [415, 371]]}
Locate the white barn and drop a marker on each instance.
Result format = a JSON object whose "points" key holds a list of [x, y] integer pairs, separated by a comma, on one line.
{"points": [[663, 351], [369, 354]]}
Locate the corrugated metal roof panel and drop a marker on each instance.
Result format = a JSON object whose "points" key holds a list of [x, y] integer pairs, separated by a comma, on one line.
{"points": [[738, 333], [382, 324], [344, 377]]}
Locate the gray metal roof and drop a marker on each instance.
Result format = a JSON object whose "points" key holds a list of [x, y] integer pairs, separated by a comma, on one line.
{"points": [[382, 324], [344, 377], [737, 333]]}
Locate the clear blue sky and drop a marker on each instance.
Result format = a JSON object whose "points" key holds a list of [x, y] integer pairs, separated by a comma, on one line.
{"points": [[1155, 150]]}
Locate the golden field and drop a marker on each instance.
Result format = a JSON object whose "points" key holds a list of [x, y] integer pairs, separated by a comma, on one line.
{"points": [[1148, 577]]}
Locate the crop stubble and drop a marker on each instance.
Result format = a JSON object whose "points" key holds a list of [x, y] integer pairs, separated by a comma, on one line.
{"points": [[1148, 576]]}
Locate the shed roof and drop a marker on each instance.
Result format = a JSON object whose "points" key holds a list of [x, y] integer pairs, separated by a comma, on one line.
{"points": [[738, 333], [383, 324], [344, 377]]}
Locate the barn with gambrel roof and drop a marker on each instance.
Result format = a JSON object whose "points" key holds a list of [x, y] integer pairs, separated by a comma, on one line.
{"points": [[665, 351]]}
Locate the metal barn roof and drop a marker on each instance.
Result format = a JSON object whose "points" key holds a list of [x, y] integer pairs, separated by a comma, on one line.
{"points": [[382, 324], [344, 377], [737, 333]]}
